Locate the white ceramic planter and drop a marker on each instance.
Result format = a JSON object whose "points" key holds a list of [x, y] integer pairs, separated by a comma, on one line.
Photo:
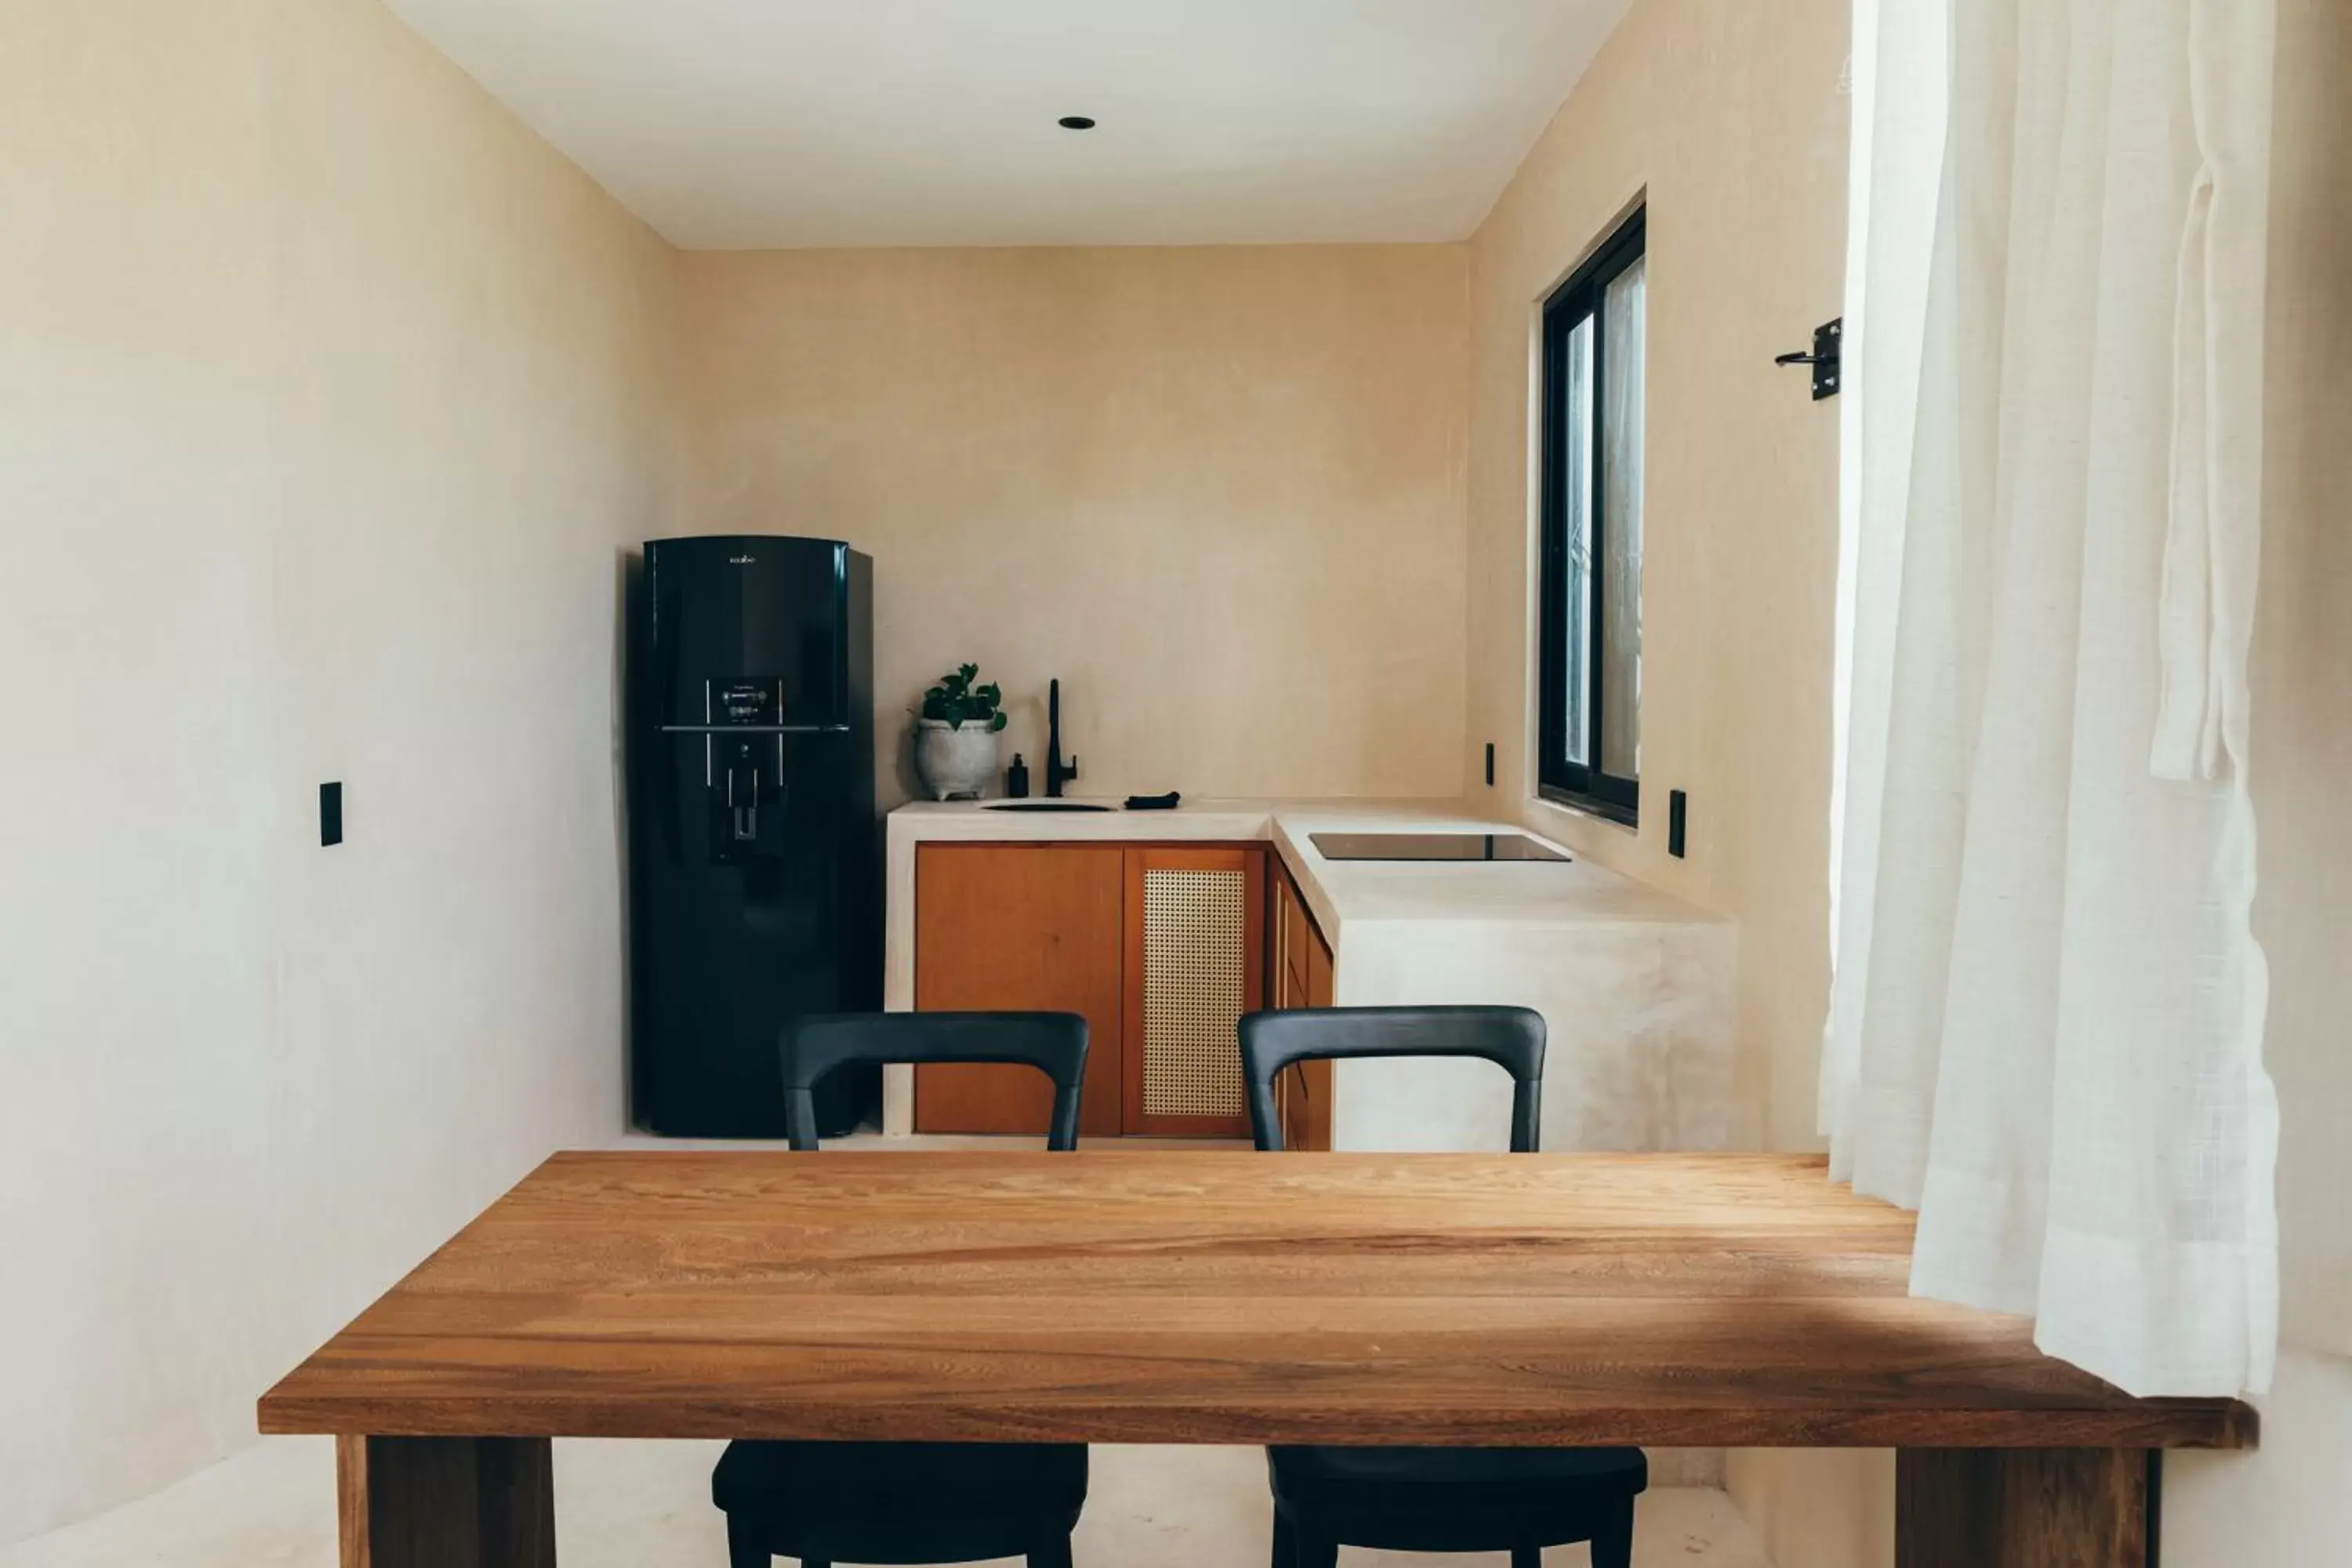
{"points": [[953, 763]]}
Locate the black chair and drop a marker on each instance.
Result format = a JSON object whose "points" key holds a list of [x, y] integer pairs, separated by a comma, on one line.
{"points": [[1518, 1500], [824, 1502]]}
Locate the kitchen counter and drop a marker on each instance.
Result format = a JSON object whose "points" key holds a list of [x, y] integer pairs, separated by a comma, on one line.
{"points": [[1634, 984], [1530, 892]]}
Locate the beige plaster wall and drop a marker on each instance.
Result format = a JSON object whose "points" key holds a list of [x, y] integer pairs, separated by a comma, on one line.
{"points": [[2302, 669], [320, 371], [1218, 491], [2285, 1506], [1730, 118], [328, 395]]}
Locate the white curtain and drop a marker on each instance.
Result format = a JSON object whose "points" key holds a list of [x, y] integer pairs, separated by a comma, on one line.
{"points": [[2046, 1028]]}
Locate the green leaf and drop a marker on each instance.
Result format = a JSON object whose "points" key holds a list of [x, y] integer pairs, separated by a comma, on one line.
{"points": [[955, 699]]}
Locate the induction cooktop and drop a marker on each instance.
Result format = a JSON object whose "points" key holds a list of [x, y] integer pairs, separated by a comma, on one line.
{"points": [[1432, 846]]}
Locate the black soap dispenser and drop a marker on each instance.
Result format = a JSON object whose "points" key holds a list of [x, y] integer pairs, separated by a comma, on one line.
{"points": [[1016, 779]]}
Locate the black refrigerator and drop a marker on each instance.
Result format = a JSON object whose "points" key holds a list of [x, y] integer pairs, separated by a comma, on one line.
{"points": [[755, 863]]}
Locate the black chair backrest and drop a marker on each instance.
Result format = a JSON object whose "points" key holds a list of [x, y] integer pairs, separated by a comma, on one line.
{"points": [[1053, 1043], [1512, 1037]]}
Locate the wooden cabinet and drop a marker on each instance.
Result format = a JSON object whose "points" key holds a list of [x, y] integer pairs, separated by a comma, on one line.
{"points": [[1196, 956], [1160, 947], [1017, 927], [1300, 965]]}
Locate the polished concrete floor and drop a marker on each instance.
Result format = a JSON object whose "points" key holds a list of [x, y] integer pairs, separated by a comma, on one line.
{"points": [[646, 1505]]}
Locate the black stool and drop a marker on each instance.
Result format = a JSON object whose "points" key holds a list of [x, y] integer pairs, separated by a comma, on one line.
{"points": [[1518, 1500], [824, 1502]]}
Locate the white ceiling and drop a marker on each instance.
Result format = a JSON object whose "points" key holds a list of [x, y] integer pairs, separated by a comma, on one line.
{"points": [[746, 123]]}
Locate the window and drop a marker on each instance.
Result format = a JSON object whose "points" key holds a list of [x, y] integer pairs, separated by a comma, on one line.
{"points": [[1589, 734]]}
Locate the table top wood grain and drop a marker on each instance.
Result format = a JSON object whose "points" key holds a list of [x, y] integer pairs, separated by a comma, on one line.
{"points": [[1173, 1296]]}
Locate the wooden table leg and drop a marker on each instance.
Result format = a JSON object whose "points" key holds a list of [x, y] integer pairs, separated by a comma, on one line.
{"points": [[2025, 1508], [445, 1502]]}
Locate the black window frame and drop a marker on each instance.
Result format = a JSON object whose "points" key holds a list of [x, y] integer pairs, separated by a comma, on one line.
{"points": [[1582, 785]]}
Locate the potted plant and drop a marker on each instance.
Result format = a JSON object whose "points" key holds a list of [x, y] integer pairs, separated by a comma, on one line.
{"points": [[955, 734]]}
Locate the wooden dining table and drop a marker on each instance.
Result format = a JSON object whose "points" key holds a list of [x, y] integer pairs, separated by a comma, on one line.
{"points": [[1172, 1296]]}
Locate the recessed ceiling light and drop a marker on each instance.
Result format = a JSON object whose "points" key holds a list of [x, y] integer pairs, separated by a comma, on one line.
{"points": [[1075, 122]]}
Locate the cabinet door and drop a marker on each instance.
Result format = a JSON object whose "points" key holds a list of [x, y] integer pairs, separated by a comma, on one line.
{"points": [[1297, 940], [1021, 927], [1302, 964], [1317, 979], [1195, 964], [1289, 985], [1313, 1129]]}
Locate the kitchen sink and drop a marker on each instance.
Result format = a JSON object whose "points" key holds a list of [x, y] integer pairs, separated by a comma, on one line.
{"points": [[1044, 805]]}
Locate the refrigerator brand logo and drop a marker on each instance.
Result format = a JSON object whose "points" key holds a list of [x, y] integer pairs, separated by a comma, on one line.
{"points": [[741, 559]]}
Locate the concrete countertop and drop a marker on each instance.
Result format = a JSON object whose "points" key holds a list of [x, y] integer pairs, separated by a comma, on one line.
{"points": [[1634, 984], [1340, 893]]}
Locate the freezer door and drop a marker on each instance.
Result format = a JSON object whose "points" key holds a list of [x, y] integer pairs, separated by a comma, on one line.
{"points": [[747, 622]]}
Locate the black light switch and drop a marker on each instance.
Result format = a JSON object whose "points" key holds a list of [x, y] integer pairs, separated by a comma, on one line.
{"points": [[330, 813], [1677, 816]]}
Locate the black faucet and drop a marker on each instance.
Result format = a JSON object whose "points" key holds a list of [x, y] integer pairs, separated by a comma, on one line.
{"points": [[1057, 771]]}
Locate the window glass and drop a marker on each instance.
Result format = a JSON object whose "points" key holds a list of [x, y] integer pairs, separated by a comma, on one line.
{"points": [[1578, 460], [1623, 319]]}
